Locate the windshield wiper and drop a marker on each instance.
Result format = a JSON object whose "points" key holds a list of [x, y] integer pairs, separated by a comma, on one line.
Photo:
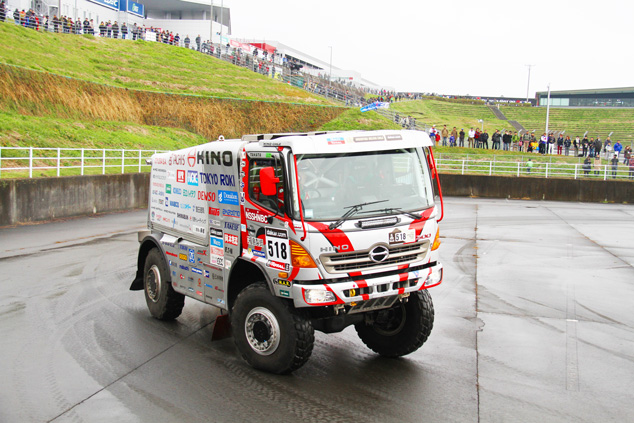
{"points": [[349, 213], [395, 210]]}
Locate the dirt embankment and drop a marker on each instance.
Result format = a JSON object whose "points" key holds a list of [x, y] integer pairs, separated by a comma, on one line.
{"points": [[41, 94]]}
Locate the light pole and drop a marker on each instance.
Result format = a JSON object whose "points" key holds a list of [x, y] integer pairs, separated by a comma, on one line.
{"points": [[211, 23], [330, 74], [529, 81], [482, 122]]}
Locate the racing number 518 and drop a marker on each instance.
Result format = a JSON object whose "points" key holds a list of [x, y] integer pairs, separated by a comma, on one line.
{"points": [[277, 250]]}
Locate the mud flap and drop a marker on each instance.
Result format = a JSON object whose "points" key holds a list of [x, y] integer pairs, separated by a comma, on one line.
{"points": [[222, 328]]}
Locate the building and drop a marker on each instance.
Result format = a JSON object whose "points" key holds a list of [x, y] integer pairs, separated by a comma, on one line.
{"points": [[191, 17], [608, 97]]}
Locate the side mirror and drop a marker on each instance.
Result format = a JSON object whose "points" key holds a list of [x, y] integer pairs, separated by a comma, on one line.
{"points": [[268, 181]]}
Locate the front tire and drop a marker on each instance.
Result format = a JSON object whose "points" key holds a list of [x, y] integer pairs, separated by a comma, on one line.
{"points": [[164, 303], [401, 329], [268, 334]]}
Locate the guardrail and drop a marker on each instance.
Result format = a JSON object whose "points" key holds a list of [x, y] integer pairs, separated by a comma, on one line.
{"points": [[538, 169], [18, 161]]}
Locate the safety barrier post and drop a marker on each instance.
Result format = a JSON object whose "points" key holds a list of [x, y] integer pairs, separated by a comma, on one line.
{"points": [[490, 168], [30, 162], [463, 167], [547, 170], [58, 159], [576, 166], [104, 162], [605, 172], [139, 161], [518, 169], [122, 160], [82, 162]]}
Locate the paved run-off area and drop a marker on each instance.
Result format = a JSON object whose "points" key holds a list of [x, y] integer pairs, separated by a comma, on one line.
{"points": [[533, 323]]}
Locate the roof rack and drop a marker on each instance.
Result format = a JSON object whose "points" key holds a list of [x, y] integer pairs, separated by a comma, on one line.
{"points": [[260, 137]]}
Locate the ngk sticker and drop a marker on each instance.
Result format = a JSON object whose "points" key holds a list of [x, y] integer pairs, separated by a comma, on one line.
{"points": [[399, 237], [277, 246]]}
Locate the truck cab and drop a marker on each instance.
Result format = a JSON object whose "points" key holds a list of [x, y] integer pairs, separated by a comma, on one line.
{"points": [[291, 233]]}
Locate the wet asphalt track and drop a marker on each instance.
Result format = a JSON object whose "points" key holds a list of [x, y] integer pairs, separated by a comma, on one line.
{"points": [[534, 323]]}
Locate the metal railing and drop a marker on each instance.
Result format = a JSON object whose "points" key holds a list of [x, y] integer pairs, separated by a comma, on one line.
{"points": [[537, 169], [25, 161]]}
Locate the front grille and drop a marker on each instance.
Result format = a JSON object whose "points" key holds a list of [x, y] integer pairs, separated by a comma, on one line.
{"points": [[360, 260]]}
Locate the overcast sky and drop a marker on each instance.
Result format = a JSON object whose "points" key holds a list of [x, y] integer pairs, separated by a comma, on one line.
{"points": [[456, 46]]}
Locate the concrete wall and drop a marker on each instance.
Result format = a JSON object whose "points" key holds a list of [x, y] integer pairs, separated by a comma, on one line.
{"points": [[585, 190], [40, 199], [32, 200]]}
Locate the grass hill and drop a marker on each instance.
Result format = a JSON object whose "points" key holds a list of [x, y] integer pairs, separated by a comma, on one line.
{"points": [[575, 121]]}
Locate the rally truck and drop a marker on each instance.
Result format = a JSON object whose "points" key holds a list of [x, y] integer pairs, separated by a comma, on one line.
{"points": [[292, 233]]}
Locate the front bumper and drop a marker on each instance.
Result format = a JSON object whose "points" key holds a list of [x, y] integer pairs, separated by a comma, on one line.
{"points": [[369, 293]]}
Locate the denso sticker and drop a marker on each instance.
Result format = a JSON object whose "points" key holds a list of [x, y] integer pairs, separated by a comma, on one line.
{"points": [[255, 215]]}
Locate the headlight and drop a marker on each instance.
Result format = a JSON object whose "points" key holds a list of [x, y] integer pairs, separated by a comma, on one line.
{"points": [[434, 278], [319, 296]]}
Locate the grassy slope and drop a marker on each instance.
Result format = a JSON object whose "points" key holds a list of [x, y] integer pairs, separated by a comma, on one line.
{"points": [[140, 65], [435, 112]]}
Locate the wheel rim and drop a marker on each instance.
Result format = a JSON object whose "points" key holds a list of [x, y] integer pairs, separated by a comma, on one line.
{"points": [[153, 283], [262, 331], [391, 321]]}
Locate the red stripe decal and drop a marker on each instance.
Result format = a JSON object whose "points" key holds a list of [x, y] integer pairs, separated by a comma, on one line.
{"points": [[336, 237]]}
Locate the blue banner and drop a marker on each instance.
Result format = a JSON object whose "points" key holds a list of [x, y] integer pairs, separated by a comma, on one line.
{"points": [[112, 4], [375, 105], [136, 8]]}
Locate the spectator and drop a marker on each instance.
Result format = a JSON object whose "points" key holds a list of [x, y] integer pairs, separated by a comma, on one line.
{"points": [[496, 140], [124, 31], [543, 141], [3, 11], [444, 133], [115, 30], [631, 163], [461, 135], [198, 42], [607, 148], [586, 166], [16, 16], [526, 141], [432, 133], [618, 148], [567, 144], [615, 165], [187, 41], [597, 146], [177, 40], [454, 134], [471, 139], [585, 144], [102, 29], [551, 144], [506, 140], [484, 139], [591, 147], [627, 154], [476, 138], [529, 165], [515, 139], [560, 144], [597, 164], [109, 29], [575, 144], [86, 26]]}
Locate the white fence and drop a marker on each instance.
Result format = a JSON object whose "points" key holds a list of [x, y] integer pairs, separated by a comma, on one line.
{"points": [[16, 161], [538, 169]]}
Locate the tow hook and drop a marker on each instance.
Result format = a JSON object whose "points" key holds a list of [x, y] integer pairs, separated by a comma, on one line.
{"points": [[404, 297]]}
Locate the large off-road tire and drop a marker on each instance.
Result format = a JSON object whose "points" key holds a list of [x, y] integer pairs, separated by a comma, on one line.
{"points": [[269, 335], [401, 329], [164, 303]]}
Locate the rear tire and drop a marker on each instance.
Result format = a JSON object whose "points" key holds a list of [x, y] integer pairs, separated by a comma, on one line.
{"points": [[268, 334], [401, 329], [164, 303]]}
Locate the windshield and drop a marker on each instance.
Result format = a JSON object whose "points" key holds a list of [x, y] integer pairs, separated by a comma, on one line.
{"points": [[330, 184]]}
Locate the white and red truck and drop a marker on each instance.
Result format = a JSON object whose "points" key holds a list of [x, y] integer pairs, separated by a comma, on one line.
{"points": [[291, 233]]}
